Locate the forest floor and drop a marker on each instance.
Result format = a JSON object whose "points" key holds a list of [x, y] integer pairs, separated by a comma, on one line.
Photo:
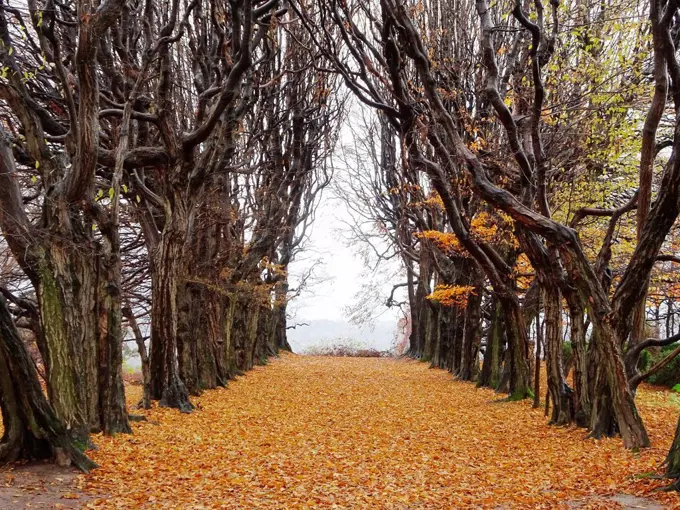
{"points": [[316, 432]]}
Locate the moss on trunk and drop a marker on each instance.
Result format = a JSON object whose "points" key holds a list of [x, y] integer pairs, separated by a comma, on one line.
{"points": [[32, 429]]}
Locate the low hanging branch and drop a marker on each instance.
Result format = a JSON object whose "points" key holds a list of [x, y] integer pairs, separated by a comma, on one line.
{"points": [[637, 379], [633, 354]]}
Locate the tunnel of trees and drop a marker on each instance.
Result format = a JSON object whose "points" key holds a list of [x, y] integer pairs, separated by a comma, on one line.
{"points": [[161, 162]]}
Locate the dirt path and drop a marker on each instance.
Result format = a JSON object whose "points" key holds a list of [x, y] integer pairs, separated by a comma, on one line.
{"points": [[309, 432], [40, 486]]}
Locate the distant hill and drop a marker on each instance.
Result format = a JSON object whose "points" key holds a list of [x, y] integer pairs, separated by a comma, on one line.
{"points": [[323, 332]]}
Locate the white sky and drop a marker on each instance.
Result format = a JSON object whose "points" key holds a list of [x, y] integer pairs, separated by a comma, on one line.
{"points": [[341, 275], [341, 271]]}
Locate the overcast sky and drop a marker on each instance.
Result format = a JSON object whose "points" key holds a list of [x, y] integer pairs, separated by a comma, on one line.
{"points": [[339, 276]]}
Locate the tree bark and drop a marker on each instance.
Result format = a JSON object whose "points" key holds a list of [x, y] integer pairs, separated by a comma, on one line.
{"points": [[582, 393], [560, 393], [473, 322], [537, 365], [673, 460], [491, 367], [227, 366], [280, 318], [145, 403], [195, 337], [167, 271], [32, 429], [520, 376]]}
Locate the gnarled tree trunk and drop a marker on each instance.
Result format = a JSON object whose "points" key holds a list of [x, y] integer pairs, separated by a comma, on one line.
{"points": [[519, 371], [32, 429], [560, 393], [471, 336], [167, 271], [673, 460], [195, 338], [279, 313], [582, 394], [491, 366]]}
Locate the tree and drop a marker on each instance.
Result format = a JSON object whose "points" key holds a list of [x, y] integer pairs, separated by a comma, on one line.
{"points": [[31, 428], [59, 252], [673, 460], [437, 138]]}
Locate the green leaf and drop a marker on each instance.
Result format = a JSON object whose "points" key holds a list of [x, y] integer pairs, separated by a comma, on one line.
{"points": [[112, 192], [37, 165], [100, 193], [139, 199], [125, 188], [34, 179], [676, 388]]}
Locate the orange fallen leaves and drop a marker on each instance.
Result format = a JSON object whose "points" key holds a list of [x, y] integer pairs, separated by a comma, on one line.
{"points": [[313, 432]]}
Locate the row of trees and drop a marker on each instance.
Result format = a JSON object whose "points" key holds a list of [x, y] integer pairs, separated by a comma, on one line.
{"points": [[524, 172], [161, 162], [160, 165]]}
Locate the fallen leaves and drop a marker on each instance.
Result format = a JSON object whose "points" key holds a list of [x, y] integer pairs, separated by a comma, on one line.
{"points": [[313, 432]]}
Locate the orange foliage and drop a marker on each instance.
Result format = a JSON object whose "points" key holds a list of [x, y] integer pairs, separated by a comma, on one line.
{"points": [[451, 295], [309, 432], [483, 227], [445, 241], [433, 202], [524, 271]]}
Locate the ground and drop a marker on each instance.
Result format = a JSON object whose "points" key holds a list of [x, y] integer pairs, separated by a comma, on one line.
{"points": [[315, 432], [40, 486]]}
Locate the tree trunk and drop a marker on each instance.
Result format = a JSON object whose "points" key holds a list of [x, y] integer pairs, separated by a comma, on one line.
{"points": [[195, 335], [609, 328], [252, 338], [560, 393], [32, 429], [243, 331], [457, 338], [188, 330], [425, 322], [473, 322], [65, 294], [77, 294], [145, 403], [491, 366], [440, 336], [112, 406], [537, 366], [520, 375], [414, 310], [582, 394], [673, 460], [167, 270], [280, 319], [614, 407], [262, 328], [227, 366]]}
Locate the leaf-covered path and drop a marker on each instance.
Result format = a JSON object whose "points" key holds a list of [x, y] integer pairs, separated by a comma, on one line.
{"points": [[306, 432]]}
